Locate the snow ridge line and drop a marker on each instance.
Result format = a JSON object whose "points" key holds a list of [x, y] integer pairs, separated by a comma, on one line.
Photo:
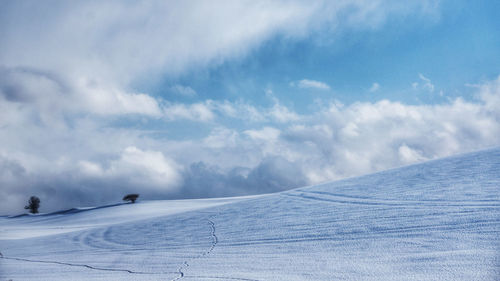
{"points": [[76, 265], [352, 200]]}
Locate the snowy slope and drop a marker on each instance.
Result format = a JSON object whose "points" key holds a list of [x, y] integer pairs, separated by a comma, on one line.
{"points": [[438, 220]]}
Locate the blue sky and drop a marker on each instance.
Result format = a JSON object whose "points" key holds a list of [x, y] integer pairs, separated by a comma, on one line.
{"points": [[457, 46], [205, 99]]}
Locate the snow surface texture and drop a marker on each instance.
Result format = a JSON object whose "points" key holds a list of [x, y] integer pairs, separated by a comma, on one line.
{"points": [[438, 220]]}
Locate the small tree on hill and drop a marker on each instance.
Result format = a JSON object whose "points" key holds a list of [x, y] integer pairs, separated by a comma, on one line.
{"points": [[131, 197], [33, 204]]}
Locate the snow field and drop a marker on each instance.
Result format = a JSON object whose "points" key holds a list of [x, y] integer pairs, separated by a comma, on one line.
{"points": [[439, 220]]}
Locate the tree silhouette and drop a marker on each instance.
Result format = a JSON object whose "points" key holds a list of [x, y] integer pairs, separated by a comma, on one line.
{"points": [[131, 197], [33, 204]]}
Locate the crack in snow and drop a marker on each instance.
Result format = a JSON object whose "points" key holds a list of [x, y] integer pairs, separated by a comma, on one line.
{"points": [[76, 265]]}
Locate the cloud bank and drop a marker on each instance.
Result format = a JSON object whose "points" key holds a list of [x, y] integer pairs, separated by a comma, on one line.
{"points": [[66, 168], [75, 131]]}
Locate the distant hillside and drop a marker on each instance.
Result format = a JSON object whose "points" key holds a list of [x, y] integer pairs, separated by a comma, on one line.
{"points": [[439, 220]]}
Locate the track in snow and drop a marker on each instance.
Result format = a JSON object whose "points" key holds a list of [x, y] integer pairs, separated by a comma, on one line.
{"points": [[186, 264]]}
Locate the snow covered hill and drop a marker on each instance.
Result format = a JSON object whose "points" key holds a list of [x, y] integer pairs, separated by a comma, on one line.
{"points": [[438, 220]]}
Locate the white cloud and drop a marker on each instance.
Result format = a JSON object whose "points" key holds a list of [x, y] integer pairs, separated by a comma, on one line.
{"points": [[282, 114], [81, 58], [201, 112], [221, 137], [426, 83], [111, 101], [375, 86], [311, 84], [90, 168], [184, 90], [65, 165], [267, 134], [408, 155], [146, 167], [244, 111], [151, 169], [239, 110], [52, 94], [119, 41]]}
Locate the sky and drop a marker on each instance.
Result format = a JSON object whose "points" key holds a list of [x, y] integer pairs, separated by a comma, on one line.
{"points": [[194, 99]]}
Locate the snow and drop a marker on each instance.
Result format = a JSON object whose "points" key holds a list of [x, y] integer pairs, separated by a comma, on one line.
{"points": [[439, 220]]}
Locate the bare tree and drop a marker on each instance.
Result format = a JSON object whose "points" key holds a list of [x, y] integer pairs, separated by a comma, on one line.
{"points": [[33, 204], [131, 197]]}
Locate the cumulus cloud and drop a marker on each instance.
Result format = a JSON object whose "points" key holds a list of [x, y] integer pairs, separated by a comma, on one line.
{"points": [[282, 114], [52, 93], [110, 100], [336, 141], [266, 134], [146, 166], [196, 112], [311, 84]]}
